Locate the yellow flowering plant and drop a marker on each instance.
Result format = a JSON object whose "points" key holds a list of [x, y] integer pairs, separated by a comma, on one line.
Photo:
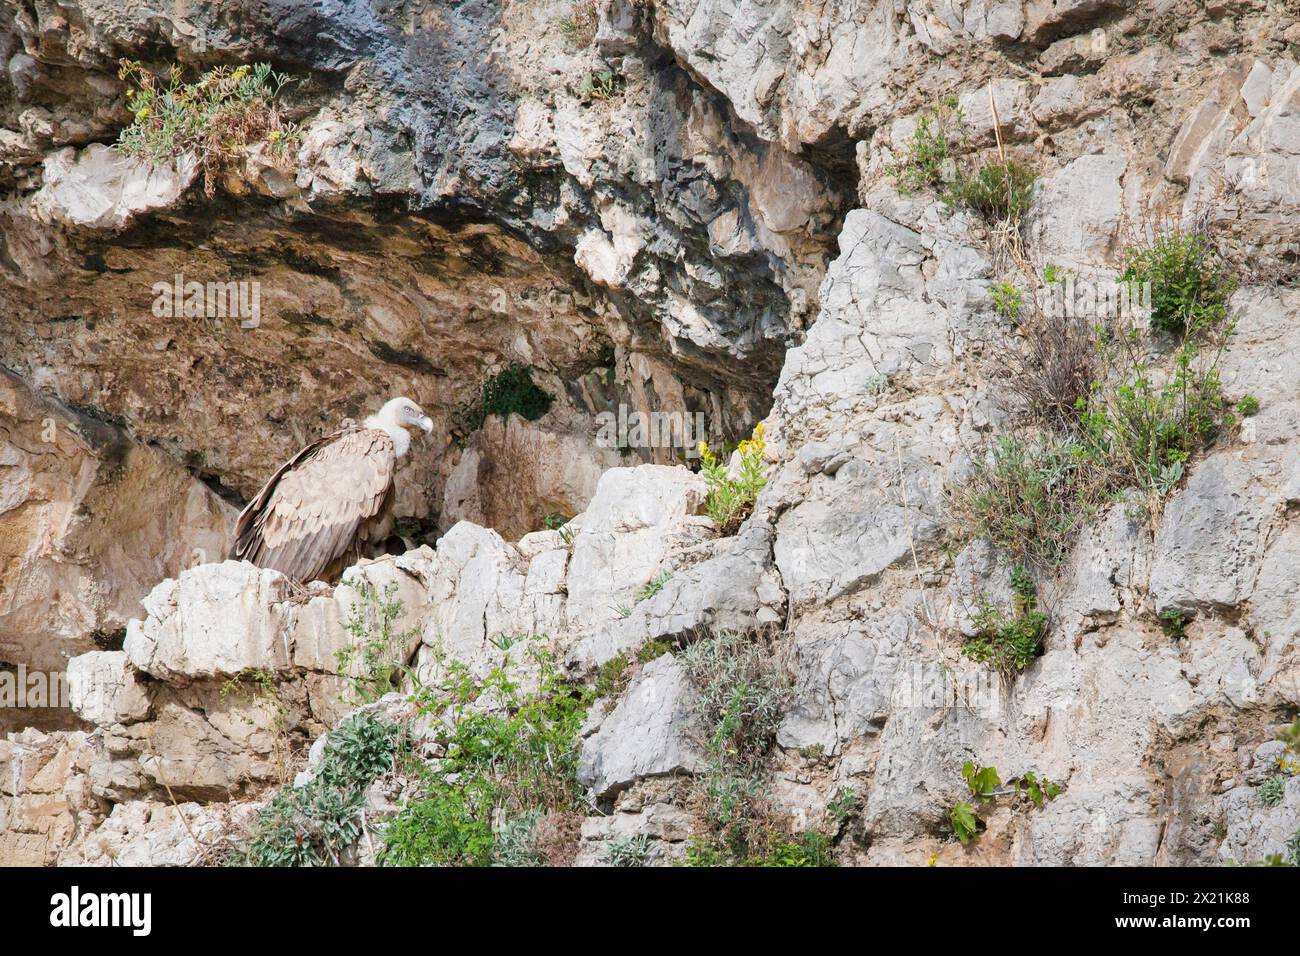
{"points": [[731, 498]]}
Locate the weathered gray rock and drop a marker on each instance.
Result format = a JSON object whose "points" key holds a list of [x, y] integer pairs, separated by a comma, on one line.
{"points": [[1256, 830], [148, 833], [662, 829], [636, 518], [648, 734], [1212, 535], [99, 188], [102, 688], [733, 590], [215, 620]]}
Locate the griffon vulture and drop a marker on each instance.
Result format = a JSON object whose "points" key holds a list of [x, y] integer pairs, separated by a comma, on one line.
{"points": [[320, 510]]}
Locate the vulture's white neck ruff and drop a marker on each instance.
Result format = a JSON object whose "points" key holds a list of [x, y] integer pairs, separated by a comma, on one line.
{"points": [[400, 436]]}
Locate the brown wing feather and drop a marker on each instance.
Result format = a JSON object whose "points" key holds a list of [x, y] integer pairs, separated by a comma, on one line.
{"points": [[317, 508]]}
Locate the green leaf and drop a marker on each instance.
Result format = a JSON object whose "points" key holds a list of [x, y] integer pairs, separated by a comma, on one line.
{"points": [[965, 825], [985, 782]]}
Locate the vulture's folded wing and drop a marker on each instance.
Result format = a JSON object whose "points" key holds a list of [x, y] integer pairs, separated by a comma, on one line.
{"points": [[311, 511]]}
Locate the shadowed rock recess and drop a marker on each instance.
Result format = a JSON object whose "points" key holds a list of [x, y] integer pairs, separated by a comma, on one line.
{"points": [[711, 213]]}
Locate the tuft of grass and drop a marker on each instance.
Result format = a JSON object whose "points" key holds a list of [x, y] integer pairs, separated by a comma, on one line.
{"points": [[1247, 406], [1030, 500], [580, 26], [1190, 285], [1000, 192], [925, 160], [214, 118], [653, 586]]}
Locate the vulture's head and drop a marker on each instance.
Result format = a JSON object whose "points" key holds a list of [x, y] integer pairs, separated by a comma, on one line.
{"points": [[397, 415]]}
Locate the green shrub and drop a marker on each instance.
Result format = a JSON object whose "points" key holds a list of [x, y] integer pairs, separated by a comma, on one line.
{"points": [[311, 825], [509, 392], [739, 699], [1189, 285], [1052, 273], [1174, 623], [1142, 427], [1007, 298], [518, 759], [451, 827], [985, 786], [1001, 192], [812, 848], [1272, 790], [214, 118], [374, 657], [1136, 427], [1248, 406], [1009, 644], [964, 822], [925, 159]]}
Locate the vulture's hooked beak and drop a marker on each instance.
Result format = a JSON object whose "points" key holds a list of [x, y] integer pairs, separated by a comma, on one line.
{"points": [[426, 424]]}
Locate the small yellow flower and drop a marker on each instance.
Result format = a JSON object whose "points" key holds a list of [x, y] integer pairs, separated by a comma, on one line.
{"points": [[704, 447], [934, 858], [130, 93], [142, 113]]}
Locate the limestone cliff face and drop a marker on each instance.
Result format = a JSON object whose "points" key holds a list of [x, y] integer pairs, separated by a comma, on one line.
{"points": [[667, 207]]}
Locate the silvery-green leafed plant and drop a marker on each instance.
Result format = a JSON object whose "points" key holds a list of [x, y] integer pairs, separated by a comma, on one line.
{"points": [[213, 118]]}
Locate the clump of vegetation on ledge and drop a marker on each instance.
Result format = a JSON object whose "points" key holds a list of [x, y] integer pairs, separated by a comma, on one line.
{"points": [[517, 762], [313, 824], [214, 118], [731, 497], [925, 160], [1001, 191], [1190, 286], [511, 391], [741, 693], [1009, 643], [1126, 429]]}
